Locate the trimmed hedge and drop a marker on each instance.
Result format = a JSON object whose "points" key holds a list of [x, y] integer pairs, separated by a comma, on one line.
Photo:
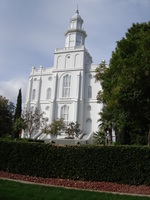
{"points": [[122, 164]]}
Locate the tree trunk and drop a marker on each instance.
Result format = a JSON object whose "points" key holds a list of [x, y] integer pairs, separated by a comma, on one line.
{"points": [[109, 136], [20, 132]]}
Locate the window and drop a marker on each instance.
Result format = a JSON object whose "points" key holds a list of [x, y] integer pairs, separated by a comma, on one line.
{"points": [[33, 94], [90, 92], [79, 40], [71, 40], [47, 108], [66, 86], [65, 113], [49, 78], [48, 95], [73, 24]]}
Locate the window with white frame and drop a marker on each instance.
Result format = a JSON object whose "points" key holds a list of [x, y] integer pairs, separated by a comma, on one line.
{"points": [[33, 94], [48, 95], [66, 85], [90, 92], [65, 113]]}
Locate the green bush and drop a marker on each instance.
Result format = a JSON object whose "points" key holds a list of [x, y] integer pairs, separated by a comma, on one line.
{"points": [[122, 164]]}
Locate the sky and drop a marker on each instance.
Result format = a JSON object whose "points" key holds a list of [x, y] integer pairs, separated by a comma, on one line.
{"points": [[30, 30]]}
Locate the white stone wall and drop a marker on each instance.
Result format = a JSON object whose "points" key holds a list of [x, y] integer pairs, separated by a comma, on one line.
{"points": [[75, 61]]}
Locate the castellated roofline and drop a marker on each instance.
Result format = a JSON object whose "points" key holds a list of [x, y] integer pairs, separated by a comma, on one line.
{"points": [[75, 48], [41, 70]]}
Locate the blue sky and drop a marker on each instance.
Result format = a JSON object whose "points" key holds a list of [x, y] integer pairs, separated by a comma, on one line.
{"points": [[30, 30]]}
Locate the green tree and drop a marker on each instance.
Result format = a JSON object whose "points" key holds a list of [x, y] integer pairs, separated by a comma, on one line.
{"points": [[99, 137], [33, 121], [6, 116], [18, 109], [19, 125], [55, 127], [126, 85], [73, 130], [18, 112]]}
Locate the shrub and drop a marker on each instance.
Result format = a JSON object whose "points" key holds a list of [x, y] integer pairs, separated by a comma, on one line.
{"points": [[122, 164]]}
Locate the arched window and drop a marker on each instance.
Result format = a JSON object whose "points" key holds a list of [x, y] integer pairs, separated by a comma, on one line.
{"points": [[90, 92], [77, 60], [66, 86], [68, 61], [48, 95], [65, 113], [59, 62], [33, 94]]}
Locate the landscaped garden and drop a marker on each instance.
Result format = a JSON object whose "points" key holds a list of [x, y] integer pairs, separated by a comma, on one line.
{"points": [[101, 168]]}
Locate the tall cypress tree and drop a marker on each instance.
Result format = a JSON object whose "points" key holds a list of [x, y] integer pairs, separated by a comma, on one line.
{"points": [[18, 110]]}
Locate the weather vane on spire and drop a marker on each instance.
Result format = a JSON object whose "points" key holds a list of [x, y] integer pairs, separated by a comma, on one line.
{"points": [[77, 9]]}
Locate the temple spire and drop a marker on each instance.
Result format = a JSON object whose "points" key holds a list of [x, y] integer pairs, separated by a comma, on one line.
{"points": [[77, 10], [75, 35]]}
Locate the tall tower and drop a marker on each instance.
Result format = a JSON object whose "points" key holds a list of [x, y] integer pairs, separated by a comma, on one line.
{"points": [[74, 55], [72, 66], [75, 35]]}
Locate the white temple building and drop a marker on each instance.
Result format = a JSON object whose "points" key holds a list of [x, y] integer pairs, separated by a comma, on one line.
{"points": [[68, 89]]}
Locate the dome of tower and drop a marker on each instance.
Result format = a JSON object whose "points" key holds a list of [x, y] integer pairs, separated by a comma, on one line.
{"points": [[76, 16]]}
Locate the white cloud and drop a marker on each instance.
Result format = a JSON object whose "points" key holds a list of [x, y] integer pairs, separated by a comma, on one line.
{"points": [[9, 89]]}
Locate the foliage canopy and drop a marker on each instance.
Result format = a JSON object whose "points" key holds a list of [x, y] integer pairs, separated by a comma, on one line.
{"points": [[32, 121], [6, 116], [126, 86]]}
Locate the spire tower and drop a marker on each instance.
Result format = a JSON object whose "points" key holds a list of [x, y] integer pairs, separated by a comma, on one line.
{"points": [[75, 35], [77, 9]]}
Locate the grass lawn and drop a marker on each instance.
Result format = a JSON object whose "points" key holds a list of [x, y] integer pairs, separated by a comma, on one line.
{"points": [[15, 190]]}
